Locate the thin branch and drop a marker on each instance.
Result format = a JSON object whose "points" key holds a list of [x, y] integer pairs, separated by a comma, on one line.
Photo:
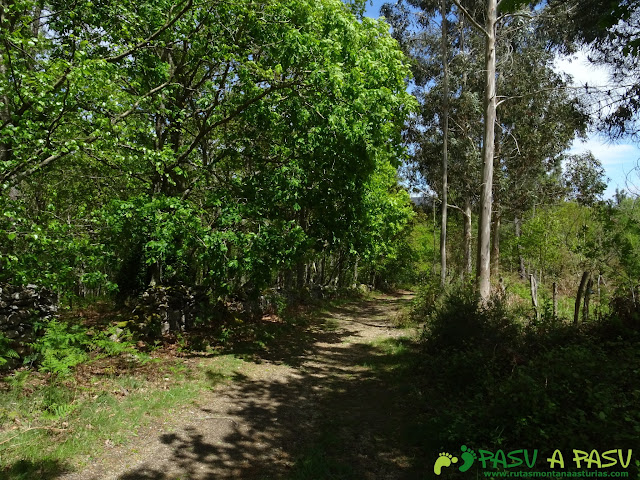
{"points": [[156, 34], [27, 105], [113, 167], [455, 207], [241, 108], [469, 17], [529, 94], [511, 135], [124, 115], [52, 429]]}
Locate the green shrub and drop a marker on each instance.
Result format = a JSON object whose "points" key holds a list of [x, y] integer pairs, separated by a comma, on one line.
{"points": [[426, 301], [63, 346], [498, 379], [459, 323]]}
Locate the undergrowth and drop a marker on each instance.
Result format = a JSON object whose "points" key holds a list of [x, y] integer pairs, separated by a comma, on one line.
{"points": [[496, 379], [51, 424], [64, 346]]}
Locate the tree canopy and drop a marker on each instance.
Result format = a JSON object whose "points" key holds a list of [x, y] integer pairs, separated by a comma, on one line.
{"points": [[212, 142]]}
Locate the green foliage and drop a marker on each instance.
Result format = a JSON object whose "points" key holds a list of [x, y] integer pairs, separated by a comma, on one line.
{"points": [[500, 381], [511, 6], [428, 299], [63, 346], [584, 178], [542, 241], [609, 29], [84, 417], [223, 163], [562, 240], [459, 322], [622, 223], [411, 253], [6, 352]]}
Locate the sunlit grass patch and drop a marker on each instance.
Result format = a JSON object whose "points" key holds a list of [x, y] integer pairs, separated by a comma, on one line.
{"points": [[50, 424]]}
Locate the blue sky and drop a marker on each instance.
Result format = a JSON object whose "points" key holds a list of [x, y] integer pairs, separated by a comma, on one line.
{"points": [[618, 159]]}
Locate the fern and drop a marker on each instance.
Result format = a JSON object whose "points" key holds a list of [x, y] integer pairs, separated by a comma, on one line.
{"points": [[102, 342], [64, 346], [61, 347], [57, 411], [6, 352]]}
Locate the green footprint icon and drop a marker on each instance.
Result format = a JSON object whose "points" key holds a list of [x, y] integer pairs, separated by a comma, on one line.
{"points": [[444, 460], [468, 457]]}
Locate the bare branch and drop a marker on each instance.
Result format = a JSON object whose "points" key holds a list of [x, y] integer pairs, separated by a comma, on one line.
{"points": [[241, 108], [469, 17], [124, 115], [455, 207], [27, 105]]}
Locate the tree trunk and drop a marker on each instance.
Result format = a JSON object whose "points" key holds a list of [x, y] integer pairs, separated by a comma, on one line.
{"points": [[354, 282], [288, 279], [36, 24], [5, 114], [583, 282], [495, 241], [467, 268], [445, 134], [339, 271], [300, 274], [484, 223], [155, 274], [555, 299], [434, 236], [518, 224], [323, 268], [587, 298], [497, 205], [534, 295], [311, 272]]}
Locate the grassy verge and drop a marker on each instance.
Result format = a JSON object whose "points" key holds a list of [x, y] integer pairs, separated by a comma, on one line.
{"points": [[50, 425], [88, 393]]}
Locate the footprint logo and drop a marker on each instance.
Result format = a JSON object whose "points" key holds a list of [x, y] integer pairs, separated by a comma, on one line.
{"points": [[468, 456], [444, 460]]}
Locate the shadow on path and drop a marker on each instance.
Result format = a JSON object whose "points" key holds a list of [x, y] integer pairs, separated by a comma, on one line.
{"points": [[344, 411]]}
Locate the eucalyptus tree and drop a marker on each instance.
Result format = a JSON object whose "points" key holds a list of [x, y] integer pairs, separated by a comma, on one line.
{"points": [[584, 179], [534, 116], [539, 115], [446, 126]]}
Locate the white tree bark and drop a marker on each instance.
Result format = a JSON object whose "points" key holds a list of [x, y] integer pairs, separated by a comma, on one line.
{"points": [[488, 146], [445, 134]]}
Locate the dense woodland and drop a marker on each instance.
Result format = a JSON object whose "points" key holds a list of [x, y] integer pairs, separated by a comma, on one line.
{"points": [[267, 151], [235, 146]]}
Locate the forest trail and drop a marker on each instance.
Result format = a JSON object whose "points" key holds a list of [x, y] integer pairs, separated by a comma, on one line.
{"points": [[327, 403]]}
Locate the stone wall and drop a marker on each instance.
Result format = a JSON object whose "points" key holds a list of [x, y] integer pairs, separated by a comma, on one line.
{"points": [[20, 307], [168, 309]]}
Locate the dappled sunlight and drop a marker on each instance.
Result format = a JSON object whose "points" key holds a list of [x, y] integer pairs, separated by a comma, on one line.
{"points": [[335, 413]]}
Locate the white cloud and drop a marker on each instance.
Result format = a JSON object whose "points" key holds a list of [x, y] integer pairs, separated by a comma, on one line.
{"points": [[582, 71], [608, 153], [619, 160]]}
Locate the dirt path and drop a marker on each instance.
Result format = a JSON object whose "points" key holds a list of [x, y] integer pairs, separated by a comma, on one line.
{"points": [[331, 406]]}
